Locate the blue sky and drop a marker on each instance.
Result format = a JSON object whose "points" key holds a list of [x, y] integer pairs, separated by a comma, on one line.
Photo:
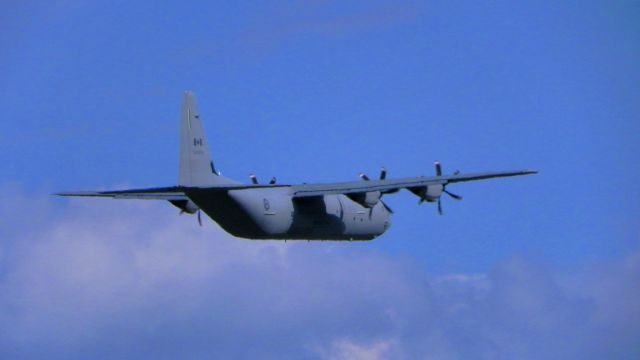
{"points": [[321, 91]]}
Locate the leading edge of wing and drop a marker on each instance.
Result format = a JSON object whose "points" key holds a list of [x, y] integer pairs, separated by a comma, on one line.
{"points": [[160, 193], [394, 185]]}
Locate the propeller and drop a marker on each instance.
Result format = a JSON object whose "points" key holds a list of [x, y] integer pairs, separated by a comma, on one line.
{"points": [[454, 196], [254, 179], [438, 167], [390, 210], [383, 175]]}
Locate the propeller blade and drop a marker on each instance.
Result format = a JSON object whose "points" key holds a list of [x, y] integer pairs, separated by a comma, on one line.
{"points": [[199, 218], [254, 179], [273, 181], [383, 174], [387, 207], [439, 207], [457, 197], [364, 177], [438, 168]]}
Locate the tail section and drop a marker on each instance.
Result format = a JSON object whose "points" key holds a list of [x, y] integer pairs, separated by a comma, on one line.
{"points": [[196, 166]]}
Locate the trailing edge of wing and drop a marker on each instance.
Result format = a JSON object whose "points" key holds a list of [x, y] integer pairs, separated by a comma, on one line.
{"points": [[387, 186], [168, 193]]}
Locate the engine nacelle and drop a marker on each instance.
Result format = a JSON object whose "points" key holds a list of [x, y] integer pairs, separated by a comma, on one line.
{"points": [[187, 206], [429, 193], [368, 199]]}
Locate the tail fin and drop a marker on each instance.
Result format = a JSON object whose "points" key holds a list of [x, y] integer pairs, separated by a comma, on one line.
{"points": [[196, 165]]}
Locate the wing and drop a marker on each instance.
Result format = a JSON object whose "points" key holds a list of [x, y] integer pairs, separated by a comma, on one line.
{"points": [[391, 186], [163, 193], [306, 190]]}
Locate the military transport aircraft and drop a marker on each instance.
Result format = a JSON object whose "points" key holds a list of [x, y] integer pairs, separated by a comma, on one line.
{"points": [[336, 211]]}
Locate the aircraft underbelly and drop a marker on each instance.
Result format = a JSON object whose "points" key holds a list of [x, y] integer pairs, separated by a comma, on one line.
{"points": [[332, 217]]}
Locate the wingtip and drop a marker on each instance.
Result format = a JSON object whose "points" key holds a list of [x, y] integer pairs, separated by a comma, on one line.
{"points": [[77, 193]]}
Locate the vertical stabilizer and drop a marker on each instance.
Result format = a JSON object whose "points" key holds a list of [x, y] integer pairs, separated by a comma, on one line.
{"points": [[196, 165]]}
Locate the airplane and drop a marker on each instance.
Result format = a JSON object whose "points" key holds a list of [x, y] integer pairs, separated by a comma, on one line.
{"points": [[351, 210]]}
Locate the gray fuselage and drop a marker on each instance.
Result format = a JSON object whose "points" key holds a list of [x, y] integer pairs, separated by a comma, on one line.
{"points": [[272, 213]]}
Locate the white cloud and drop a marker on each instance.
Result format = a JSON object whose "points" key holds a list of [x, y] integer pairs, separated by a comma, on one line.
{"points": [[346, 349], [105, 279]]}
